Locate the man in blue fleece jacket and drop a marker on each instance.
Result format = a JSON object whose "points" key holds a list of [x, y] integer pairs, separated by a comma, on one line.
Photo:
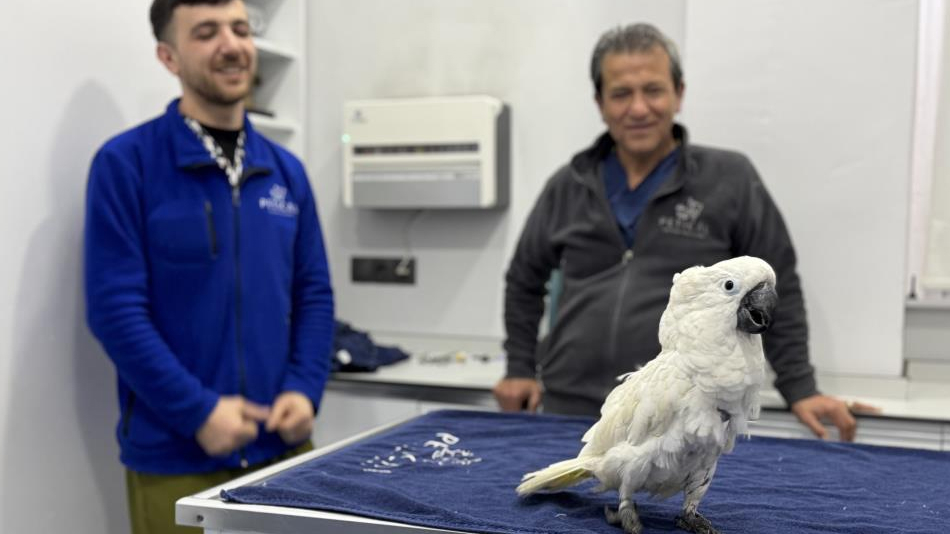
{"points": [[206, 275]]}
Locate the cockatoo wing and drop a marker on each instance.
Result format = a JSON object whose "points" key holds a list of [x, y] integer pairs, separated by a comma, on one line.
{"points": [[643, 406]]}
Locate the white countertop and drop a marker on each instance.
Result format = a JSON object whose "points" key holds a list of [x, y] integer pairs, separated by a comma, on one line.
{"points": [[435, 363], [461, 372]]}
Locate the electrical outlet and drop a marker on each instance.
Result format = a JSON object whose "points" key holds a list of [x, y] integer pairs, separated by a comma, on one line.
{"points": [[383, 270]]}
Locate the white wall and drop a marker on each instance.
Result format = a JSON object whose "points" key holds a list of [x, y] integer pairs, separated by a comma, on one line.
{"points": [[819, 94], [75, 73], [534, 55], [937, 267]]}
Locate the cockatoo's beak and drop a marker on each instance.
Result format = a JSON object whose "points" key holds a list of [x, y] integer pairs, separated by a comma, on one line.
{"points": [[755, 310]]}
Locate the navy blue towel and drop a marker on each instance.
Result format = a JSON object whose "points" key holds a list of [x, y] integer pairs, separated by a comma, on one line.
{"points": [[458, 470], [355, 351]]}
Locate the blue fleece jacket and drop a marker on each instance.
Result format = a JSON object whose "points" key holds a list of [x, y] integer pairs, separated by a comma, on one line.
{"points": [[196, 289]]}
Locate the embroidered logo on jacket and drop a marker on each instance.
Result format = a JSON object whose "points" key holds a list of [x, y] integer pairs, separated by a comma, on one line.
{"points": [[686, 221], [277, 203]]}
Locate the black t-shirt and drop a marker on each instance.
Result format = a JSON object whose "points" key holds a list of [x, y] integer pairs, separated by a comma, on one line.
{"points": [[226, 139]]}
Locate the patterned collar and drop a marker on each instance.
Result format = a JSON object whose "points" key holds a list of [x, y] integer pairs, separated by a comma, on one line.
{"points": [[232, 169]]}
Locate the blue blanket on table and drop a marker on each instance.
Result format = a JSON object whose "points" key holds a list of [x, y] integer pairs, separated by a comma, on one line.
{"points": [[458, 470]]}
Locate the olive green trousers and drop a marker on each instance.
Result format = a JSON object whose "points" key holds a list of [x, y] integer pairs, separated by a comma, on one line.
{"points": [[152, 497]]}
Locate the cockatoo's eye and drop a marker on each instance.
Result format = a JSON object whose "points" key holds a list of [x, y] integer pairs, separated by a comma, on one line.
{"points": [[730, 286]]}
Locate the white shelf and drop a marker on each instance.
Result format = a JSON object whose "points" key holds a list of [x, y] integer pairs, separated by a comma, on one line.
{"points": [[268, 49], [263, 122], [934, 304], [281, 78]]}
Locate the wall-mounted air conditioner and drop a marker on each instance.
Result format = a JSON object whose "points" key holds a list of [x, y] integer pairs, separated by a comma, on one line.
{"points": [[422, 153]]}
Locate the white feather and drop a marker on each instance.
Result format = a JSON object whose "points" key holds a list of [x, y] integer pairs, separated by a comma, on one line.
{"points": [[665, 421]]}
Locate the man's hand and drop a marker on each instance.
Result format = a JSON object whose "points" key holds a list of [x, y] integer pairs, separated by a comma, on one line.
{"points": [[292, 417], [516, 394], [812, 410], [231, 425]]}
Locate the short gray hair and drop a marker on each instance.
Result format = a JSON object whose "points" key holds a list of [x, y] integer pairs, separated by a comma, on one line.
{"points": [[639, 37]]}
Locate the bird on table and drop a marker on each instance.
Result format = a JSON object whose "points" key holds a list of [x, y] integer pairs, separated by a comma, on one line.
{"points": [[663, 428]]}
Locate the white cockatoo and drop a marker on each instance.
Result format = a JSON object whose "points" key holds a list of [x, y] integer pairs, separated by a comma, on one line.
{"points": [[662, 429]]}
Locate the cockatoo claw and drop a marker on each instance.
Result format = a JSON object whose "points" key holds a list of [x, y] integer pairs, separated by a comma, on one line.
{"points": [[625, 516], [696, 523]]}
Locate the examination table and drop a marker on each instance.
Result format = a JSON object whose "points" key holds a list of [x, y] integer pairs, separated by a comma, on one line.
{"points": [[455, 471]]}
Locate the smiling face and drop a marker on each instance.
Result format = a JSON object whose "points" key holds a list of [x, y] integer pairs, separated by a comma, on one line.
{"points": [[209, 48], [638, 103]]}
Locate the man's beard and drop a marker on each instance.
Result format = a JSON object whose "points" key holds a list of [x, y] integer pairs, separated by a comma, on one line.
{"points": [[206, 88], [212, 93]]}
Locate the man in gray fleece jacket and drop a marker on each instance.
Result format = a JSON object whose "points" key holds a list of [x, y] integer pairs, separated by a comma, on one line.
{"points": [[618, 221]]}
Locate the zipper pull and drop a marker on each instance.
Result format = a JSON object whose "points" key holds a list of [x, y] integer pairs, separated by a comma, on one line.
{"points": [[236, 196], [627, 256]]}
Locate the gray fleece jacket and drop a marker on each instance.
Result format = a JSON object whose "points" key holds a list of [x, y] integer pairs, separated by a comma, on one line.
{"points": [[712, 207]]}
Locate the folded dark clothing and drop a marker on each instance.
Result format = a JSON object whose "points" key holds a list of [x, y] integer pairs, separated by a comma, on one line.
{"points": [[355, 351], [458, 470]]}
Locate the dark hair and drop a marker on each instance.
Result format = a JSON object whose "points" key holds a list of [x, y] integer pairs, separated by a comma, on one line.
{"points": [[640, 37], [161, 13]]}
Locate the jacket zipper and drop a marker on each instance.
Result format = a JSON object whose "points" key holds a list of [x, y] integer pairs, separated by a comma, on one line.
{"points": [[127, 416], [239, 342], [615, 320], [212, 234], [625, 259]]}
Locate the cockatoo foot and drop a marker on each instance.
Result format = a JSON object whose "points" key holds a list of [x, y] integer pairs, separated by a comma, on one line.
{"points": [[696, 523], [625, 516]]}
